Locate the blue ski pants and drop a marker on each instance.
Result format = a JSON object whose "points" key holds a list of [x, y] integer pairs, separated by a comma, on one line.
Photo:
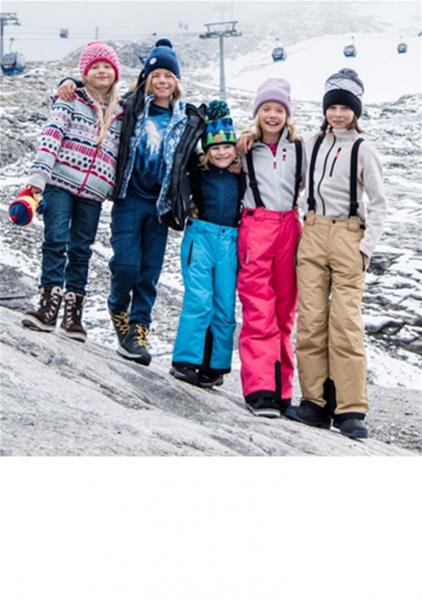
{"points": [[207, 322]]}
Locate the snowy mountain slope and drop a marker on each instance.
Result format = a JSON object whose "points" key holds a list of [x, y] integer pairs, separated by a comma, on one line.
{"points": [[61, 397], [386, 74]]}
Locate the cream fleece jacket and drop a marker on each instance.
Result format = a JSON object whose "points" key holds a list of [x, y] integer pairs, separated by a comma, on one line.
{"points": [[332, 183]]}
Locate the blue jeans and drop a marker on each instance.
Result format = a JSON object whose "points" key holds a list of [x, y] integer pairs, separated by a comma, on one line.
{"points": [[139, 243], [70, 227]]}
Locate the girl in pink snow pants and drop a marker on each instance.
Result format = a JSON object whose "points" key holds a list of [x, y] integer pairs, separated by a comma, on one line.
{"points": [[268, 237]]}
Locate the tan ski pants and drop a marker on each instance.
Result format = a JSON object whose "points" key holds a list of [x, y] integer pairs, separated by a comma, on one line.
{"points": [[331, 276]]}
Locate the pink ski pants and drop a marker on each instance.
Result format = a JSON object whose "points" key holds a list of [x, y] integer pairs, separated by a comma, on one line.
{"points": [[267, 289]]}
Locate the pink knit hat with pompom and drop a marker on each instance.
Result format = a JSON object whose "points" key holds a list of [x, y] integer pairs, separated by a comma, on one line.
{"points": [[94, 52]]}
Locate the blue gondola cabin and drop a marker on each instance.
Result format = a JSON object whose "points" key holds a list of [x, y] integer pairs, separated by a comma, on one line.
{"points": [[13, 63]]}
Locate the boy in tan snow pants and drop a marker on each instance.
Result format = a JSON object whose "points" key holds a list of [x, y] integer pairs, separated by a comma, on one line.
{"points": [[330, 352]]}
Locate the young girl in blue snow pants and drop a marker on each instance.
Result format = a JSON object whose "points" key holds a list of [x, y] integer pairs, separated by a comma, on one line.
{"points": [[204, 343]]}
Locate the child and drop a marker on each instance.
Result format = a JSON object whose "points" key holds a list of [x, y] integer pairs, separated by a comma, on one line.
{"points": [[204, 343], [268, 237], [160, 133], [339, 237], [75, 168]]}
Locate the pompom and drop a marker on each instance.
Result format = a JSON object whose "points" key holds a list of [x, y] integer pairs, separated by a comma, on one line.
{"points": [[163, 42], [217, 109]]}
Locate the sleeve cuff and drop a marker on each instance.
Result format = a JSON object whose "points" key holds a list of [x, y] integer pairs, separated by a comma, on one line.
{"points": [[38, 180]]}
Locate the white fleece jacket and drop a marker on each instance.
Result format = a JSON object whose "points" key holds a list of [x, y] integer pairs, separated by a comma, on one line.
{"points": [[332, 183], [275, 175]]}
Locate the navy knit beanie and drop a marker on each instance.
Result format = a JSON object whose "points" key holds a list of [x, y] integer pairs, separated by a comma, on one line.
{"points": [[162, 57], [344, 88]]}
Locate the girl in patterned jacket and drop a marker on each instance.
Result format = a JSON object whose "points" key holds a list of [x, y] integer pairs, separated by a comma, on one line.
{"points": [[340, 232], [75, 169]]}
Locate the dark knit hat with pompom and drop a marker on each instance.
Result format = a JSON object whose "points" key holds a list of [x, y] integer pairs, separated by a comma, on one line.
{"points": [[219, 125], [162, 57]]}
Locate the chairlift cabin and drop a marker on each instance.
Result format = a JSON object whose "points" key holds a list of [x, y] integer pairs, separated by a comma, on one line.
{"points": [[350, 51], [402, 48], [279, 54], [13, 63]]}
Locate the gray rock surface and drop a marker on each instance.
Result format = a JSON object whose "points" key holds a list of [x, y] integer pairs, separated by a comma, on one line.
{"points": [[60, 397]]}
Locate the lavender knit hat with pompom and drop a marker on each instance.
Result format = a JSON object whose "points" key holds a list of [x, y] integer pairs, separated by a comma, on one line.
{"points": [[273, 90], [97, 51]]}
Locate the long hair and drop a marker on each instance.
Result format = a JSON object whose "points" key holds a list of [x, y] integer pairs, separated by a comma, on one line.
{"points": [[353, 125], [105, 115], [291, 129], [205, 158], [178, 92]]}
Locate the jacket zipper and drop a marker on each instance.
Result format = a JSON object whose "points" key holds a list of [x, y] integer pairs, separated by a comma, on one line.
{"points": [[323, 174], [334, 161]]}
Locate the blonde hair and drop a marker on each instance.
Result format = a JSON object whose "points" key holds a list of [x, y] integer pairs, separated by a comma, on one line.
{"points": [[257, 131], [205, 158], [178, 92], [105, 115]]}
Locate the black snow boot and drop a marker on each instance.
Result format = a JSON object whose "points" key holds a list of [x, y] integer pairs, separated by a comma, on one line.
{"points": [[352, 428], [45, 317], [209, 380], [311, 414], [283, 404], [261, 406], [187, 374], [134, 345], [71, 325]]}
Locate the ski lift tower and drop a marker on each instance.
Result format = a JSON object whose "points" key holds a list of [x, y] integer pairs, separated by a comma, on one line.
{"points": [[221, 30], [6, 18]]}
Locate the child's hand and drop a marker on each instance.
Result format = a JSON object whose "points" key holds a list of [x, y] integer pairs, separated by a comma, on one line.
{"points": [[365, 260], [236, 166], [194, 213], [67, 90], [35, 190], [245, 142]]}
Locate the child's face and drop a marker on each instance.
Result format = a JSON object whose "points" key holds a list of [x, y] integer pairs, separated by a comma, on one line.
{"points": [[272, 117], [100, 76], [339, 116], [163, 84], [222, 155]]}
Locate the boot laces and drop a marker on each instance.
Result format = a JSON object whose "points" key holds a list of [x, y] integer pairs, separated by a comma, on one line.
{"points": [[51, 302], [121, 322], [141, 334], [72, 311]]}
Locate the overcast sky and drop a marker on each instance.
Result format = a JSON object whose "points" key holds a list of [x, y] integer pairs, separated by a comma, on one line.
{"points": [[38, 35]]}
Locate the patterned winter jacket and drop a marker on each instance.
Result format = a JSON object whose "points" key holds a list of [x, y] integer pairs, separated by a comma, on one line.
{"points": [[68, 156]]}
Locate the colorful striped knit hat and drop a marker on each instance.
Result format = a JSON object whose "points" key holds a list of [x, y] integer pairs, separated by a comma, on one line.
{"points": [[96, 51], [219, 125]]}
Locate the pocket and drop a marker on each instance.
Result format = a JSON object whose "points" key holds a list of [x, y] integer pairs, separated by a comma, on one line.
{"points": [[297, 250], [242, 246], [189, 259], [364, 266]]}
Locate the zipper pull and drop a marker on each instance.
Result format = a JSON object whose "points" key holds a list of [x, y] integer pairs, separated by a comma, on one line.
{"points": [[284, 155], [274, 164]]}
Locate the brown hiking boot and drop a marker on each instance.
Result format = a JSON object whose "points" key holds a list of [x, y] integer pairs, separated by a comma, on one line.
{"points": [[121, 324], [71, 325], [45, 317]]}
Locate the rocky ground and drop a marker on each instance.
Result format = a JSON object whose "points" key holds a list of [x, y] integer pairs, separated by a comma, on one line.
{"points": [[60, 397]]}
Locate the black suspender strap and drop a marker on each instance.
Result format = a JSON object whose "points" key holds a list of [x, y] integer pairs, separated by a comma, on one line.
{"points": [[354, 178], [311, 197], [298, 174], [253, 184]]}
